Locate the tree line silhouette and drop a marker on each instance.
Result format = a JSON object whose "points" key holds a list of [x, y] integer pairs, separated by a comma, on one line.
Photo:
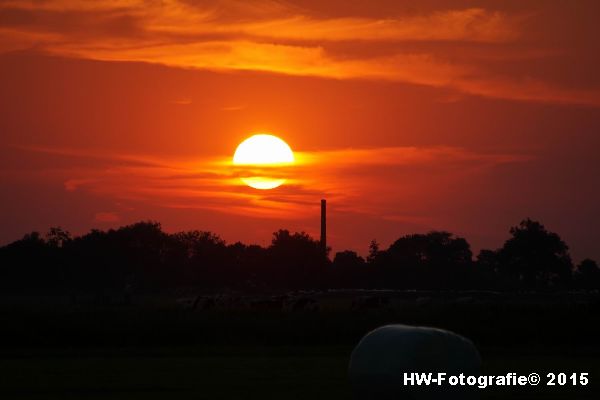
{"points": [[143, 258]]}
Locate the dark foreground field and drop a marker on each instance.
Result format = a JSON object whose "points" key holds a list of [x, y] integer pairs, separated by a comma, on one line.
{"points": [[243, 372], [143, 352]]}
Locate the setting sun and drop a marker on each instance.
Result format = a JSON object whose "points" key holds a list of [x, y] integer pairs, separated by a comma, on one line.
{"points": [[265, 152]]}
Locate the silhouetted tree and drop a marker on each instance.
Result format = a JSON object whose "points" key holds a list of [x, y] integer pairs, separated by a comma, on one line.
{"points": [[348, 259], [206, 258], [373, 251], [535, 256], [58, 237], [488, 274], [587, 274], [143, 257], [298, 259], [131, 255], [248, 266], [435, 259], [434, 248], [24, 265], [489, 260], [348, 271]]}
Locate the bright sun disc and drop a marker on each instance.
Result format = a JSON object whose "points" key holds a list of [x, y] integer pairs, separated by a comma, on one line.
{"points": [[263, 151]]}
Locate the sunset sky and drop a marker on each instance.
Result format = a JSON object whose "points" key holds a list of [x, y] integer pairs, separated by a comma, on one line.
{"points": [[407, 116]]}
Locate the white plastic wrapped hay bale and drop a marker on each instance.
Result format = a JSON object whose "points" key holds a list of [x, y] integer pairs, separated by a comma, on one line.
{"points": [[381, 358]]}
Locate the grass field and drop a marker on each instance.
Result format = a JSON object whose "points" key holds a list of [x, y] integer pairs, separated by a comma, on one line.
{"points": [[241, 372], [150, 352]]}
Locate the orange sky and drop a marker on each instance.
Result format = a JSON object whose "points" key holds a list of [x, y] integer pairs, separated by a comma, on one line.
{"points": [[412, 116]]}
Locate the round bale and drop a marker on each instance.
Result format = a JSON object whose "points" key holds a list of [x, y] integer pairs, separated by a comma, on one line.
{"points": [[381, 358]]}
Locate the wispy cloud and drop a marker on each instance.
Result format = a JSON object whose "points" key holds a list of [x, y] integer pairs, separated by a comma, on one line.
{"points": [[107, 216], [358, 180], [181, 20], [282, 38]]}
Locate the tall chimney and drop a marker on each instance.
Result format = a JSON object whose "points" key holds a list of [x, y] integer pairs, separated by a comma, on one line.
{"points": [[324, 224]]}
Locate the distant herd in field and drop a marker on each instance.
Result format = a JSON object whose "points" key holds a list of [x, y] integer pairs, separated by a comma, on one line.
{"points": [[286, 302], [351, 300]]}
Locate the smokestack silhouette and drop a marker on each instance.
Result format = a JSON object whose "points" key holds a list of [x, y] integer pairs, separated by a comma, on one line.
{"points": [[324, 224]]}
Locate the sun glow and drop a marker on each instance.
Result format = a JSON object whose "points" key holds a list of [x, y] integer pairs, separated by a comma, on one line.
{"points": [[263, 154]]}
